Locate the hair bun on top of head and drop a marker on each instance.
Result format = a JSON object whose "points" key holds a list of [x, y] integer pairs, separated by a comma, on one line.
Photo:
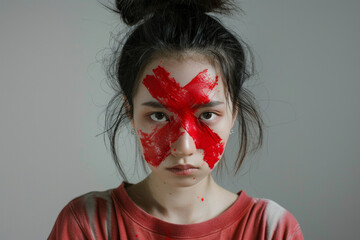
{"points": [[132, 11]]}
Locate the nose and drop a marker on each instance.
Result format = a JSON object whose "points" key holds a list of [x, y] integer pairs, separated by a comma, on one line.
{"points": [[184, 145]]}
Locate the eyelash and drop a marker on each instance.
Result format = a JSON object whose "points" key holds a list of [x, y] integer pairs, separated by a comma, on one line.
{"points": [[167, 118], [213, 115], [164, 115]]}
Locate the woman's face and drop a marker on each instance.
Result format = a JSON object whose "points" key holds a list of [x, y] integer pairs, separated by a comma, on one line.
{"points": [[182, 118]]}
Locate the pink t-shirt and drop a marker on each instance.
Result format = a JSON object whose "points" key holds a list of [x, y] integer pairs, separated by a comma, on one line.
{"points": [[113, 215]]}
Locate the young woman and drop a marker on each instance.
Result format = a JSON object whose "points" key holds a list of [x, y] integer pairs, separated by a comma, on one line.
{"points": [[179, 78]]}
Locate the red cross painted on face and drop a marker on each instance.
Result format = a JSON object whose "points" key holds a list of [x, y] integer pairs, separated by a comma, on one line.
{"points": [[183, 103]]}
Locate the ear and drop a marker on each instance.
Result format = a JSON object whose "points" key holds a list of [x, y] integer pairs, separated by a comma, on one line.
{"points": [[128, 111], [132, 124], [234, 118]]}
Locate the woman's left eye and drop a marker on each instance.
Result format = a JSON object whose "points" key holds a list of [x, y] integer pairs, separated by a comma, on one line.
{"points": [[208, 116]]}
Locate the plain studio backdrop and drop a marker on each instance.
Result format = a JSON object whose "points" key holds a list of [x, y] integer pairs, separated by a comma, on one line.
{"points": [[53, 92]]}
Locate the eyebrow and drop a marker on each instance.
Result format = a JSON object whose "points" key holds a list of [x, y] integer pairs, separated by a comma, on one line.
{"points": [[153, 104], [159, 105]]}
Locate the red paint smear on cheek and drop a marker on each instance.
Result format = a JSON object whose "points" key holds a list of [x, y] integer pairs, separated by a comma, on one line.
{"points": [[156, 145], [181, 101]]}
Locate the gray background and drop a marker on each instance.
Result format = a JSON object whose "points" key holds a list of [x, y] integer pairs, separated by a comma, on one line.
{"points": [[53, 93]]}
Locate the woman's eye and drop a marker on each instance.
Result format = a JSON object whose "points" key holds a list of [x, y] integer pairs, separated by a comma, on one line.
{"points": [[158, 117], [207, 116]]}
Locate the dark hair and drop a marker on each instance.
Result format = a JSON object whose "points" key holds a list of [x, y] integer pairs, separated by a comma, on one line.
{"points": [[173, 27]]}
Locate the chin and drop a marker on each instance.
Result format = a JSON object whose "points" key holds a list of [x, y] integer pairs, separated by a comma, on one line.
{"points": [[188, 180], [182, 183]]}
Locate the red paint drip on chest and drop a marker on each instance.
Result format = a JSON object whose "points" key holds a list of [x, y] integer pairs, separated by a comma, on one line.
{"points": [[181, 101]]}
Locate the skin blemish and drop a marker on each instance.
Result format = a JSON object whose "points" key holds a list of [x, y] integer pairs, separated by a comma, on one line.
{"points": [[174, 149], [198, 197], [202, 199], [183, 102], [194, 178]]}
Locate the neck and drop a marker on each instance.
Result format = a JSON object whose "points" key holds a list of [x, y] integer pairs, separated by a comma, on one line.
{"points": [[177, 204]]}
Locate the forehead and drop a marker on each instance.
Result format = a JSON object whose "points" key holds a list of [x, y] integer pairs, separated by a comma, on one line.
{"points": [[183, 71]]}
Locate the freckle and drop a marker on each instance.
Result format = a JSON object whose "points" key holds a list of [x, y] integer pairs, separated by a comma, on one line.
{"points": [[202, 199], [170, 193], [164, 182]]}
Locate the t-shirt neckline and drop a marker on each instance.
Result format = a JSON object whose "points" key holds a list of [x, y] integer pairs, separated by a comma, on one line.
{"points": [[153, 224]]}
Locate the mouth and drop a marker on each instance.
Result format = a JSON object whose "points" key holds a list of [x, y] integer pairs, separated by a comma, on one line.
{"points": [[182, 170]]}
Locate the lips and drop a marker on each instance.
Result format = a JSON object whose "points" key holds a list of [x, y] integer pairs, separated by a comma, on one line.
{"points": [[183, 167], [183, 170]]}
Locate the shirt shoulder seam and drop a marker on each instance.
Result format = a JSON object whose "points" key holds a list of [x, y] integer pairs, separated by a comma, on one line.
{"points": [[74, 215]]}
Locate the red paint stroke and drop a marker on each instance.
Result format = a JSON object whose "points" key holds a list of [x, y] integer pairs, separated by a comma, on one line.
{"points": [[183, 102]]}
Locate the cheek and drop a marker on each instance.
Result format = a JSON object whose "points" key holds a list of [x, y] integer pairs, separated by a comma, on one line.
{"points": [[156, 145], [141, 122], [223, 127], [224, 133]]}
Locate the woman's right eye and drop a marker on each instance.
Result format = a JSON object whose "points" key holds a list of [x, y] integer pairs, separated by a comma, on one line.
{"points": [[158, 117]]}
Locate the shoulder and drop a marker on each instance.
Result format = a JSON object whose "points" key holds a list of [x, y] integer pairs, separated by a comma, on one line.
{"points": [[276, 221], [280, 223], [273, 212], [90, 201], [82, 214], [93, 208]]}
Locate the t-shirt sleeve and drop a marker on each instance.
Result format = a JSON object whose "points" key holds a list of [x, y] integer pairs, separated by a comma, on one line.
{"points": [[281, 224], [288, 228], [67, 226]]}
